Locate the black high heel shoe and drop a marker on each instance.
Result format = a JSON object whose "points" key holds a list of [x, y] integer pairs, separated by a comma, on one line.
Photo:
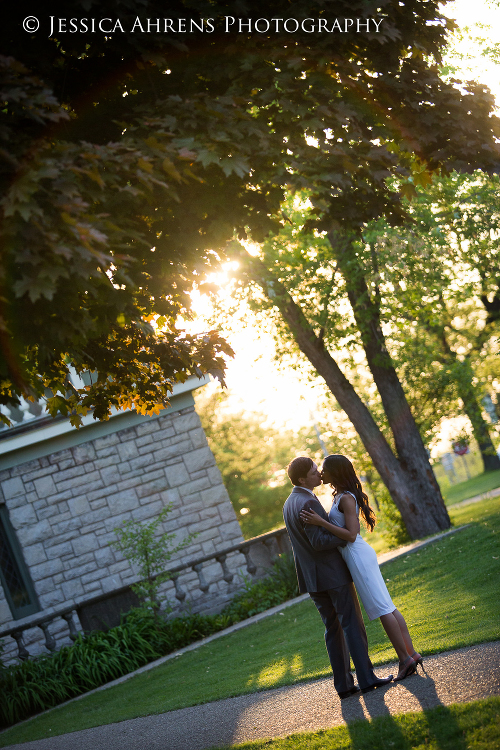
{"points": [[417, 659], [408, 667]]}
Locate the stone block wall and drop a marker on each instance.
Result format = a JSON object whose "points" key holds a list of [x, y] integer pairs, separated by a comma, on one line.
{"points": [[64, 508]]}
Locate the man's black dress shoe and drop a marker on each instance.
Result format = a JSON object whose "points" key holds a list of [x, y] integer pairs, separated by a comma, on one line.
{"points": [[348, 693], [378, 683]]}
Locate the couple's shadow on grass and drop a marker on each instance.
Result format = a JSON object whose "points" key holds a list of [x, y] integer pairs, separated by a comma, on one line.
{"points": [[404, 731]]}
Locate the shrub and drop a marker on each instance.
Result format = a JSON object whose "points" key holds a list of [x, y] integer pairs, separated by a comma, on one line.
{"points": [[98, 657], [141, 545], [94, 659], [394, 529], [277, 587]]}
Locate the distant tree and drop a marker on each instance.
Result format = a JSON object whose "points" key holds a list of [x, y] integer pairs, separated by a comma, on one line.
{"points": [[435, 284], [252, 457], [297, 280], [341, 437], [336, 113], [442, 277], [374, 135]]}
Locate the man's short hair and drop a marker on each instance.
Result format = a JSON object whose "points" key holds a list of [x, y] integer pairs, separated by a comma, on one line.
{"points": [[299, 468]]}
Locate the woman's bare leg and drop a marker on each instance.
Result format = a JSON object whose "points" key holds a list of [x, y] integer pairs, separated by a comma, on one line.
{"points": [[392, 628], [404, 631]]}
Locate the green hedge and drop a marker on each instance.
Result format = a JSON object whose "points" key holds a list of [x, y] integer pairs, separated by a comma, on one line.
{"points": [[96, 658]]}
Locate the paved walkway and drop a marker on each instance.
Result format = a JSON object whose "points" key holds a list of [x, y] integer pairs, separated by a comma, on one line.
{"points": [[382, 559], [453, 677], [477, 498]]}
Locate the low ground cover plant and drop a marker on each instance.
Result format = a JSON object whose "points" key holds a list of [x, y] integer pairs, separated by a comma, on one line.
{"points": [[447, 591], [98, 657]]}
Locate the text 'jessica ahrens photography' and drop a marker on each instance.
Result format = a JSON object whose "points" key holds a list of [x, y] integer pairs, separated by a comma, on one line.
{"points": [[229, 24]]}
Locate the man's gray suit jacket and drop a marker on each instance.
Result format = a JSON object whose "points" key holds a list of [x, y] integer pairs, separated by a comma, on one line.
{"points": [[318, 561]]}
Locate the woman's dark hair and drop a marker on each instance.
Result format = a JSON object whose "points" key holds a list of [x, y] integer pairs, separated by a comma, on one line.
{"points": [[344, 479], [299, 468]]}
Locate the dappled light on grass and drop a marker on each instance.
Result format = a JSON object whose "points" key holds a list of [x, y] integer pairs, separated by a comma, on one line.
{"points": [[483, 483], [436, 589], [446, 591], [273, 674]]}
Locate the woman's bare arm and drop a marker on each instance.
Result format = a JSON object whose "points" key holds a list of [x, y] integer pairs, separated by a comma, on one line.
{"points": [[319, 538], [309, 516], [347, 506]]}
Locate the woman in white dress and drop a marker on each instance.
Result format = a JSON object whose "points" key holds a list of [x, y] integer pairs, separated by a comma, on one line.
{"points": [[361, 559]]}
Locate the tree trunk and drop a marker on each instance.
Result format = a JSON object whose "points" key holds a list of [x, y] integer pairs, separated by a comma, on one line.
{"points": [[472, 408], [410, 449], [420, 520], [479, 427]]}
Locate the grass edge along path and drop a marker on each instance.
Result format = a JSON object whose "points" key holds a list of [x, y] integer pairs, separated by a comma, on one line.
{"points": [[387, 557], [482, 484], [195, 678], [460, 726]]}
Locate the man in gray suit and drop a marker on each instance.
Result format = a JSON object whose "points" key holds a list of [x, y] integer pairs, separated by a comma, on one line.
{"points": [[322, 572]]}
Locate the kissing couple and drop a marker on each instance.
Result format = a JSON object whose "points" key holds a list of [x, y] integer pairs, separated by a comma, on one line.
{"points": [[331, 557]]}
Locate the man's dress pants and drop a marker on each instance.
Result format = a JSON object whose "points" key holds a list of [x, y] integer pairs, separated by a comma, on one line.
{"points": [[344, 633]]}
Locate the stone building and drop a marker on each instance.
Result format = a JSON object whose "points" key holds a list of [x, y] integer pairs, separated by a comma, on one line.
{"points": [[63, 492]]}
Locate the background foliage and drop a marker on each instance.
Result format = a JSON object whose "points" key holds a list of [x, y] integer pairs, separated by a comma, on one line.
{"points": [[252, 456], [98, 657], [149, 552], [129, 160]]}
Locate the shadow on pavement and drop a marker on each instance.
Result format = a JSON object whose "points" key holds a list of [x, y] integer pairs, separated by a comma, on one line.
{"points": [[364, 733], [390, 733], [440, 728]]}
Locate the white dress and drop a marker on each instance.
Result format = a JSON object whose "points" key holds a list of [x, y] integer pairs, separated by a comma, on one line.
{"points": [[361, 559]]}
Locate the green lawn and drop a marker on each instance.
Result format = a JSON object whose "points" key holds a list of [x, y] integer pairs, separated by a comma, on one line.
{"points": [[448, 592], [469, 726], [476, 486], [464, 467]]}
